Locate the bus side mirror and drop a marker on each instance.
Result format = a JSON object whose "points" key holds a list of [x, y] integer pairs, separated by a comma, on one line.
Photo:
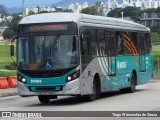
{"points": [[12, 50]]}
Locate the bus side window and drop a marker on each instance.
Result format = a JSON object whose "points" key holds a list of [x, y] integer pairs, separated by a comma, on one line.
{"points": [[134, 41], [85, 41], [120, 47], [110, 43], [148, 43], [141, 44], [93, 42], [85, 46], [101, 42]]}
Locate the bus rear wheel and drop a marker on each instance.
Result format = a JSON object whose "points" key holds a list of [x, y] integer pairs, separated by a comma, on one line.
{"points": [[132, 87], [44, 98]]}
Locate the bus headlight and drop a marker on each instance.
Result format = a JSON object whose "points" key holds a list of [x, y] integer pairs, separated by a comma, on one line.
{"points": [[73, 76], [21, 79], [69, 78]]}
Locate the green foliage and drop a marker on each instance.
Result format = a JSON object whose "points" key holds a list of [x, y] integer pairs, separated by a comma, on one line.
{"points": [[11, 66], [59, 10], [158, 10], [14, 23], [68, 10], [44, 12], [115, 13], [4, 23], [31, 13], [133, 12], [5, 58], [8, 73], [155, 37], [89, 10], [149, 10], [11, 31], [8, 33]]}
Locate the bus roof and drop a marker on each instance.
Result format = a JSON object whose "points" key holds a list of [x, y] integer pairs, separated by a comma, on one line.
{"points": [[83, 19]]}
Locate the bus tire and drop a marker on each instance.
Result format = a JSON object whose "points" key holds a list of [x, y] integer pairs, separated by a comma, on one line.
{"points": [[132, 87], [92, 97], [96, 90], [44, 98]]}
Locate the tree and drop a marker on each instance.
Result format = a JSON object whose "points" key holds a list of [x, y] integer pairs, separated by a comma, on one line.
{"points": [[150, 10], [115, 13], [135, 15], [133, 12], [8, 33], [31, 12], [3, 10], [44, 11], [68, 10], [158, 10], [89, 10], [14, 23], [59, 10], [155, 37]]}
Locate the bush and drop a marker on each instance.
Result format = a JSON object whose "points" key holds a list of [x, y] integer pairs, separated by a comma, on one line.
{"points": [[11, 66]]}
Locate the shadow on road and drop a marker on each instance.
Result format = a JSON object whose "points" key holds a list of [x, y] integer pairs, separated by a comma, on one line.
{"points": [[72, 100]]}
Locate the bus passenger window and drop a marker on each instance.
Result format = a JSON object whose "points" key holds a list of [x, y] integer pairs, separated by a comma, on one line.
{"points": [[120, 42], [110, 43], [148, 43], [85, 46]]}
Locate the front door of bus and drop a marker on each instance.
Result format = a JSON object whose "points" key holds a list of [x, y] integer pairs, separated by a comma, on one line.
{"points": [[142, 57], [111, 48]]}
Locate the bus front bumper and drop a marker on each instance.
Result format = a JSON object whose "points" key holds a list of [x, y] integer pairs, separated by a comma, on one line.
{"points": [[70, 88]]}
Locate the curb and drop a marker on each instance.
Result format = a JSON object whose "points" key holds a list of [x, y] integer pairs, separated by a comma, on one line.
{"points": [[8, 94], [154, 80]]}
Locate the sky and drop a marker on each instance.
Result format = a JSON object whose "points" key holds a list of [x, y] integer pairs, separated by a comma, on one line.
{"points": [[18, 3]]}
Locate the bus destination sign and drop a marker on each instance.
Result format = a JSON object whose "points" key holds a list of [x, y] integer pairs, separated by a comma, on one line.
{"points": [[43, 28], [50, 27]]}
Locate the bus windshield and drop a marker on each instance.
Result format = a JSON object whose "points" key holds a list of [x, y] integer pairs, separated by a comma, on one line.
{"points": [[47, 52]]}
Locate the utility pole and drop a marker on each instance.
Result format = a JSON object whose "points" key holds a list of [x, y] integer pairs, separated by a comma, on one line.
{"points": [[23, 8]]}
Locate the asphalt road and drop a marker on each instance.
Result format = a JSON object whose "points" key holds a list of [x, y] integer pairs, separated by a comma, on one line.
{"points": [[146, 98]]}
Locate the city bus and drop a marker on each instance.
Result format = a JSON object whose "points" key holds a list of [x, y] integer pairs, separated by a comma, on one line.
{"points": [[76, 54]]}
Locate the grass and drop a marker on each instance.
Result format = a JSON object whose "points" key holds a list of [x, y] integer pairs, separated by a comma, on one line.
{"points": [[5, 58], [8, 73], [156, 51]]}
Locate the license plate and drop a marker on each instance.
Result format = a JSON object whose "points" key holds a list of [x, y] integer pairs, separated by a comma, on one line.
{"points": [[45, 93]]}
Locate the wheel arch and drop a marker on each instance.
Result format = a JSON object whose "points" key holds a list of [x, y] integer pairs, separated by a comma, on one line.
{"points": [[98, 81]]}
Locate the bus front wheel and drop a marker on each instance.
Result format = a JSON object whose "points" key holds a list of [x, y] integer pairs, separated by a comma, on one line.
{"points": [[95, 90], [44, 98]]}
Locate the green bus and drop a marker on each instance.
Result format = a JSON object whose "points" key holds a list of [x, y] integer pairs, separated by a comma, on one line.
{"points": [[83, 55]]}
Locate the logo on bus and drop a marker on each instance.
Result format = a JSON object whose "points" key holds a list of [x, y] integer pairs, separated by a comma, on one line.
{"points": [[121, 65]]}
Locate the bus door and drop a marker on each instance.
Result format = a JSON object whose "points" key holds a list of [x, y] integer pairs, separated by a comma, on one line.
{"points": [[111, 52], [142, 57]]}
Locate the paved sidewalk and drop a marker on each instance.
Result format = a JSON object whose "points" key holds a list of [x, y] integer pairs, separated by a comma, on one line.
{"points": [[8, 92]]}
